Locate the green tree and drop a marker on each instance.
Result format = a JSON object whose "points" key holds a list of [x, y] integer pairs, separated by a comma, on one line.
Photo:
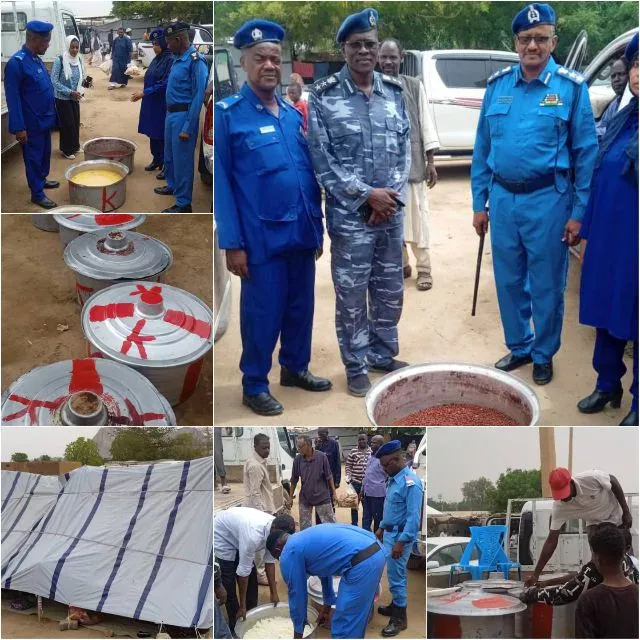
{"points": [[83, 450], [18, 456], [44, 458], [475, 494], [184, 446], [162, 12], [514, 483], [142, 443]]}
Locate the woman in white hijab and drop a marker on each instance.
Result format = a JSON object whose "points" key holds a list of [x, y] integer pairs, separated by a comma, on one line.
{"points": [[67, 74]]}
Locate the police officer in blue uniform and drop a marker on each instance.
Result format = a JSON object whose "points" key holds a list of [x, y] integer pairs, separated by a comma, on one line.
{"points": [[32, 111], [185, 92], [269, 219], [533, 159], [398, 530]]}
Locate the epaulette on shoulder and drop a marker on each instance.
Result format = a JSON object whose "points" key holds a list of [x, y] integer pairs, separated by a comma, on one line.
{"points": [[574, 76], [19, 55], [325, 83], [225, 103], [391, 80], [194, 55], [499, 74]]}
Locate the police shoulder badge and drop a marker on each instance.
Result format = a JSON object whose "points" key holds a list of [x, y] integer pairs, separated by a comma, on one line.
{"points": [[498, 74], [409, 481], [324, 84], [392, 80], [574, 76], [533, 15]]}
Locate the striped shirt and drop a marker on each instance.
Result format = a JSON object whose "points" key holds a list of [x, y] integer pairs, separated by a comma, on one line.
{"points": [[356, 463]]}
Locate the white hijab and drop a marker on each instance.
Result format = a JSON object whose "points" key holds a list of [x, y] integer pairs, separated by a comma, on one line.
{"points": [[69, 61]]}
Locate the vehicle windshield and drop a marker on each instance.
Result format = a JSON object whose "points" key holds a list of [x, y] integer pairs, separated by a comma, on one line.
{"points": [[431, 547]]}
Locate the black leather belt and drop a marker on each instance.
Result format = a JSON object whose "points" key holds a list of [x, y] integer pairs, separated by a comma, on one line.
{"points": [[527, 186], [365, 553], [173, 108], [394, 527]]}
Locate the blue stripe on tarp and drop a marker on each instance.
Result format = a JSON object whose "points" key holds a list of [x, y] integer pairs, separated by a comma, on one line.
{"points": [[72, 546], [24, 508], [204, 588], [165, 540], [125, 540], [7, 582], [13, 486]]}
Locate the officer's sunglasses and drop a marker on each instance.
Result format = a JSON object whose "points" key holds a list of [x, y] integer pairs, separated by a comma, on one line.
{"points": [[539, 40], [356, 45]]}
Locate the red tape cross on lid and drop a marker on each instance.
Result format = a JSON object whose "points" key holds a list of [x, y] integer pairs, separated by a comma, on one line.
{"points": [[188, 323], [495, 602], [105, 220], [100, 312]]}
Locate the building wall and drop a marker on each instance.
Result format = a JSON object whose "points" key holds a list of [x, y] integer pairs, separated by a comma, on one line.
{"points": [[42, 468]]}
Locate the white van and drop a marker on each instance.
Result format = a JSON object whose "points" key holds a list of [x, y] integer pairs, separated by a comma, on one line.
{"points": [[15, 16]]}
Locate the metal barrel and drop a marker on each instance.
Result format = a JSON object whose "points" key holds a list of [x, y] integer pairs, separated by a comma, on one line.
{"points": [[420, 386], [106, 198], [109, 148], [73, 221], [44, 221]]}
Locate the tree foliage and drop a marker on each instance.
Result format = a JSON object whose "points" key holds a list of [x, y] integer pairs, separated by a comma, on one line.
{"points": [[161, 12], [44, 458], [311, 26], [514, 483], [83, 450], [475, 494], [154, 443], [19, 456]]}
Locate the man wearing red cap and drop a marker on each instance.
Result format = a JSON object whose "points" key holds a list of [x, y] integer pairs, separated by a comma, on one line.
{"points": [[594, 496]]}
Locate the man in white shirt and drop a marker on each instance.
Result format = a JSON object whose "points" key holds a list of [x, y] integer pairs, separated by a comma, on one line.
{"points": [[238, 533], [594, 496]]}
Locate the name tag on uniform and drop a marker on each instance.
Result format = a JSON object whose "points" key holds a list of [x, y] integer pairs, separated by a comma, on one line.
{"points": [[268, 129], [505, 99], [552, 100]]}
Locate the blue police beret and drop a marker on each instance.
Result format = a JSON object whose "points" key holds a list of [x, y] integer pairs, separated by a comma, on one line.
{"points": [[156, 34], [388, 447], [366, 20], [532, 16], [256, 31], [39, 27], [176, 27], [631, 52]]}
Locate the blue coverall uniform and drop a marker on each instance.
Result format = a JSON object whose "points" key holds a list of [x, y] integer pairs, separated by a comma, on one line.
{"points": [[267, 202], [526, 131], [185, 91], [401, 523], [326, 550], [31, 103]]}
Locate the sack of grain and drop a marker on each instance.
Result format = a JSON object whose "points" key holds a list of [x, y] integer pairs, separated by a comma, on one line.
{"points": [[347, 497]]}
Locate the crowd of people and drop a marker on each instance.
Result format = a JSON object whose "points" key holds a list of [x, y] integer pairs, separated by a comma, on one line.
{"points": [[366, 138], [249, 539], [175, 88]]}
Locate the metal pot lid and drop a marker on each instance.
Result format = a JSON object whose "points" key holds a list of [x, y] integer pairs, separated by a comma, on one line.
{"points": [[88, 222], [492, 585], [148, 324], [475, 603], [115, 254], [71, 209], [91, 391]]}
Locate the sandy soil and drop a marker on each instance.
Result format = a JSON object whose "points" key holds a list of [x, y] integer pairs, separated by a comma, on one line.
{"points": [[38, 293], [15, 625], [416, 593], [436, 326], [103, 113]]}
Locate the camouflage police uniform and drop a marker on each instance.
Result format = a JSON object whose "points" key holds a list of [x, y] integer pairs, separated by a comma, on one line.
{"points": [[359, 143]]}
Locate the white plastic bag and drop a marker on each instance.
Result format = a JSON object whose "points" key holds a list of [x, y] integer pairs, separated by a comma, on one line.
{"points": [[106, 66]]}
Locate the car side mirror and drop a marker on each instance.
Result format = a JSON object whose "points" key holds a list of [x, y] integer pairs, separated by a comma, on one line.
{"points": [[432, 564]]}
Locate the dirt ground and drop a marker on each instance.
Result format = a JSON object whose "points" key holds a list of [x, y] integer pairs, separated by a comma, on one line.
{"points": [[103, 113], [15, 625], [416, 593], [38, 293], [436, 326]]}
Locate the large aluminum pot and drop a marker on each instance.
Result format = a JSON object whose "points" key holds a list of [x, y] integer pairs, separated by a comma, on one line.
{"points": [[100, 260], [103, 199], [314, 589], [161, 331], [44, 221], [116, 149], [84, 392], [281, 610], [420, 386], [74, 221]]}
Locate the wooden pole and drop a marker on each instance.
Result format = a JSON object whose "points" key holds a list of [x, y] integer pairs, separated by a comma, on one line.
{"points": [[547, 457], [570, 467]]}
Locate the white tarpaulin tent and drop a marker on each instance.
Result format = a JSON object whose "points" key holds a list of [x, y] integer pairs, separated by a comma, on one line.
{"points": [[132, 541], [433, 512]]}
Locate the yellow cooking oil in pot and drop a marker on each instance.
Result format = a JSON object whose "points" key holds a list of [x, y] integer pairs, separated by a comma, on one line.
{"points": [[96, 177]]}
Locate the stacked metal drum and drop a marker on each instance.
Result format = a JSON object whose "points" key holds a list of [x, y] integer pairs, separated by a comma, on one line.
{"points": [[146, 340]]}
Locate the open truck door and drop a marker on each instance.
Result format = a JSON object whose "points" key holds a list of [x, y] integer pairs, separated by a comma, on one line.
{"points": [[577, 52]]}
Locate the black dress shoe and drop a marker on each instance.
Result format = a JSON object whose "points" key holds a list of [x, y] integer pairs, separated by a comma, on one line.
{"points": [[386, 611], [305, 380], [393, 365], [630, 420], [598, 400], [511, 362], [177, 209], [359, 385], [51, 184], [542, 373], [45, 203], [152, 165], [163, 191], [264, 404], [160, 176]]}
